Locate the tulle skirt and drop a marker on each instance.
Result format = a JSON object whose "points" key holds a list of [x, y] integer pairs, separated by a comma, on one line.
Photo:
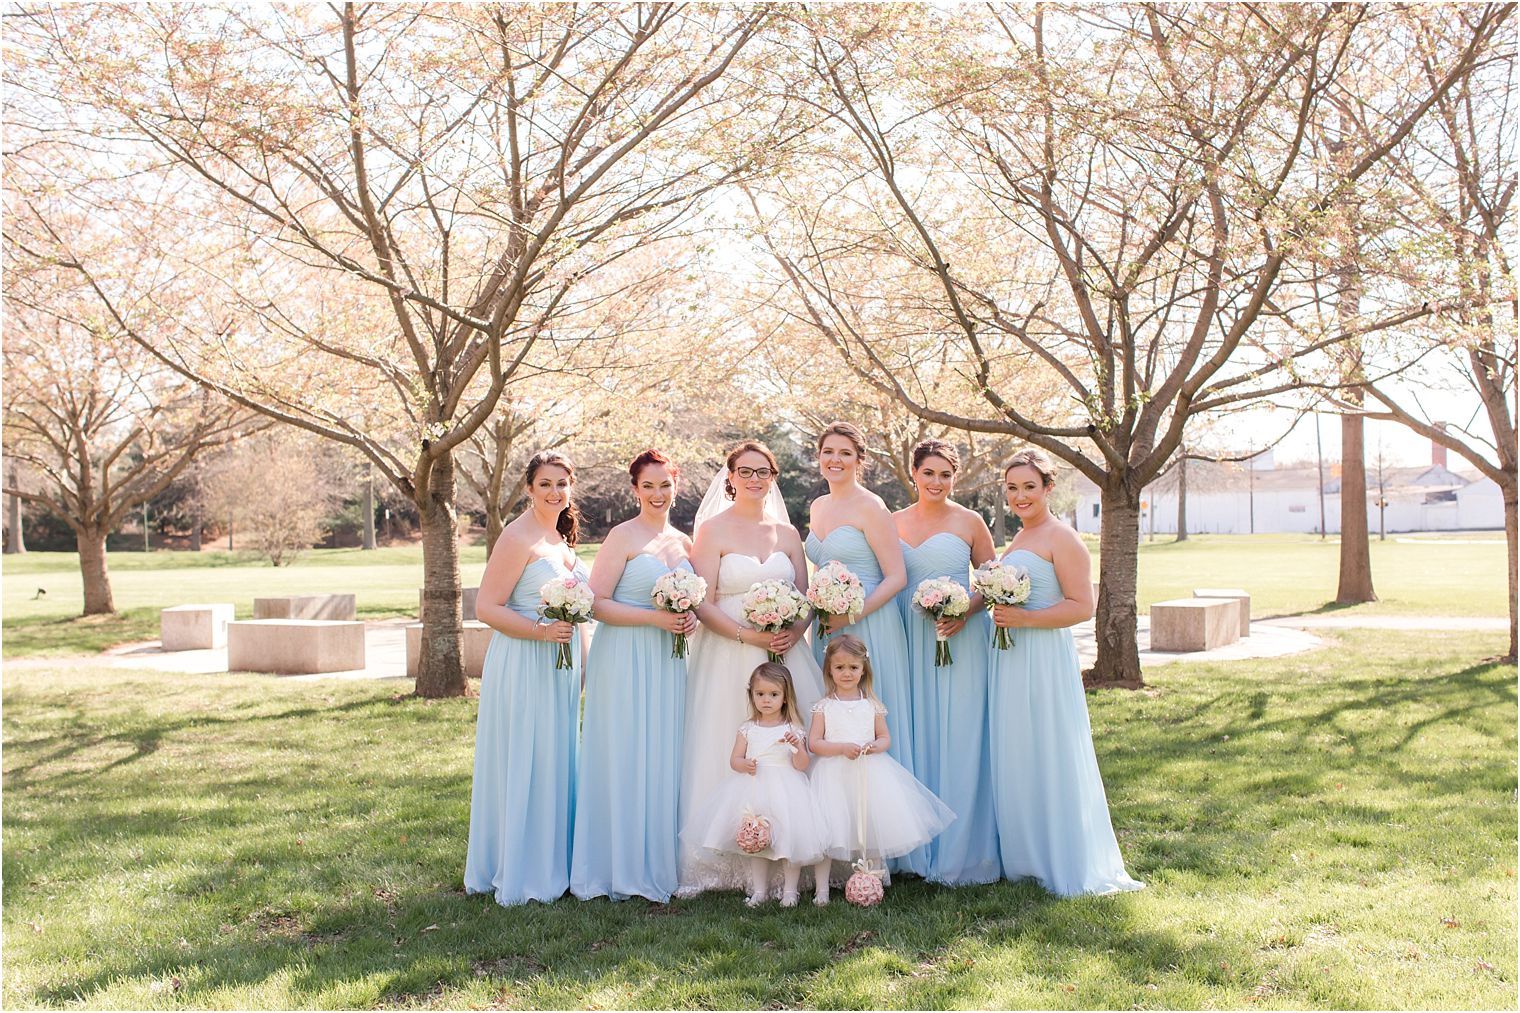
{"points": [[872, 803], [777, 791], [716, 705]]}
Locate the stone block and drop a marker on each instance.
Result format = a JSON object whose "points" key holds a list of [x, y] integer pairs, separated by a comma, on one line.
{"points": [[194, 627], [1194, 624], [477, 637], [1234, 594], [466, 603], [295, 646], [305, 606]]}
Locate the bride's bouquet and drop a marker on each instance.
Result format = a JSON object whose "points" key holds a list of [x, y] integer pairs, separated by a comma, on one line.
{"points": [[941, 598], [1002, 584], [679, 591], [835, 591], [568, 599], [772, 606]]}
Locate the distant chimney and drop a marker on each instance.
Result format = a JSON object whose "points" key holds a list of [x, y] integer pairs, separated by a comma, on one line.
{"points": [[1438, 452]]}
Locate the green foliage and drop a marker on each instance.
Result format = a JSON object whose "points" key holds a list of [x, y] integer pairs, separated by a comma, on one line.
{"points": [[1332, 830]]}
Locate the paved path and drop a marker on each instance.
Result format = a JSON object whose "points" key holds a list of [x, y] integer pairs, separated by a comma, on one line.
{"points": [[385, 644]]}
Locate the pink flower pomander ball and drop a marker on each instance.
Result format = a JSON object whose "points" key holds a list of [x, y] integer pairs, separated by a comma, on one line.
{"points": [[754, 835], [864, 889]]}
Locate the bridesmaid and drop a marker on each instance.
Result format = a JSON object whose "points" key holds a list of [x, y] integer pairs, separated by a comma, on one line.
{"points": [[951, 747], [1052, 813], [851, 524], [629, 784], [522, 803]]}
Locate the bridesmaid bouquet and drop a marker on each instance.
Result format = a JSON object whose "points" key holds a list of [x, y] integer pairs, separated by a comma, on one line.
{"points": [[1002, 584], [835, 591], [568, 599], [679, 591], [772, 606], [941, 598]]}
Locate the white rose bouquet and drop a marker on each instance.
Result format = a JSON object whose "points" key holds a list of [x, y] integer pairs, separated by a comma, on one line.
{"points": [[835, 591], [569, 599], [1002, 584], [772, 606], [941, 598], [679, 591]]}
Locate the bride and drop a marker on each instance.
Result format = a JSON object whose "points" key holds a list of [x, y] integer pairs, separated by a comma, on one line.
{"points": [[737, 544]]}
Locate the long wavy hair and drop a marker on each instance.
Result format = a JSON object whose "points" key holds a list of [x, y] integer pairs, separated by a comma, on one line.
{"points": [[569, 522]]}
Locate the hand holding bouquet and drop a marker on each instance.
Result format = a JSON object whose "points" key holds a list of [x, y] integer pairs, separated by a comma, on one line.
{"points": [[568, 599], [679, 591], [835, 591], [941, 598], [772, 606], [1002, 584]]}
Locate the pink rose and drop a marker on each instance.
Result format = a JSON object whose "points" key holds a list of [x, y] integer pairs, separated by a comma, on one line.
{"points": [[570, 582]]}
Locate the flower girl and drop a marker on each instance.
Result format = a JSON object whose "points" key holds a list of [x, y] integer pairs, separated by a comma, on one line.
{"points": [[764, 810], [870, 805]]}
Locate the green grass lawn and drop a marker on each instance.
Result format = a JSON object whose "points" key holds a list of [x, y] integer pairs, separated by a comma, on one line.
{"points": [[1333, 829]]}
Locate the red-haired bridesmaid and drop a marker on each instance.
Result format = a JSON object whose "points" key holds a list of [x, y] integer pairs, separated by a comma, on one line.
{"points": [[629, 786]]}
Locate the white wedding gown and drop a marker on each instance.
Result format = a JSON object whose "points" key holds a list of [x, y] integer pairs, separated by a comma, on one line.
{"points": [[716, 705]]}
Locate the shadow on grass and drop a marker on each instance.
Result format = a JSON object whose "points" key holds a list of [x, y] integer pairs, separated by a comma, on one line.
{"points": [[144, 741]]}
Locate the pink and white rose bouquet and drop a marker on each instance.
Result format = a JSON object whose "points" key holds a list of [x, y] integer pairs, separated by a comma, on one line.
{"points": [[835, 591], [568, 599], [941, 598], [1002, 584], [679, 591], [772, 606]]}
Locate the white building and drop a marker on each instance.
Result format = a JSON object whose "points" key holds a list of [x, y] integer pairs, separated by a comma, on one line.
{"points": [[1264, 498]]}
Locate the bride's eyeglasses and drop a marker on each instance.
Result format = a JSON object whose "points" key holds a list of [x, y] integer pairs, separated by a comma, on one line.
{"points": [[760, 473]]}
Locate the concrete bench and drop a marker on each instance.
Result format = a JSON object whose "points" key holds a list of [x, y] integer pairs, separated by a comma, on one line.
{"points": [[1194, 624], [194, 627], [295, 646], [477, 637], [1234, 594], [305, 606], [466, 603]]}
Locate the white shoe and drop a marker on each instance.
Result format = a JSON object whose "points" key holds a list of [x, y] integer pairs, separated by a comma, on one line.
{"points": [[789, 899], [755, 900]]}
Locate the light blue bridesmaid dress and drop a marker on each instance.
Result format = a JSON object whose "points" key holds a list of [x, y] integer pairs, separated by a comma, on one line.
{"points": [[527, 735], [1052, 813], [951, 748], [882, 632], [629, 784]]}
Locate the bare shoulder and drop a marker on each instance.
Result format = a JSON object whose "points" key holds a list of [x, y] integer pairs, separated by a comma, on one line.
{"points": [[1064, 538]]}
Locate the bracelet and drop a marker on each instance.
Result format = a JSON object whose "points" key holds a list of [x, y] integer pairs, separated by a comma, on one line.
{"points": [[739, 634]]}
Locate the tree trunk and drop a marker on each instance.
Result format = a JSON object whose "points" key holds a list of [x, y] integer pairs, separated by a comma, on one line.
{"points": [[1118, 661], [494, 527], [440, 671], [999, 517], [1356, 551], [369, 507], [1511, 492], [1182, 500], [15, 538], [92, 567]]}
